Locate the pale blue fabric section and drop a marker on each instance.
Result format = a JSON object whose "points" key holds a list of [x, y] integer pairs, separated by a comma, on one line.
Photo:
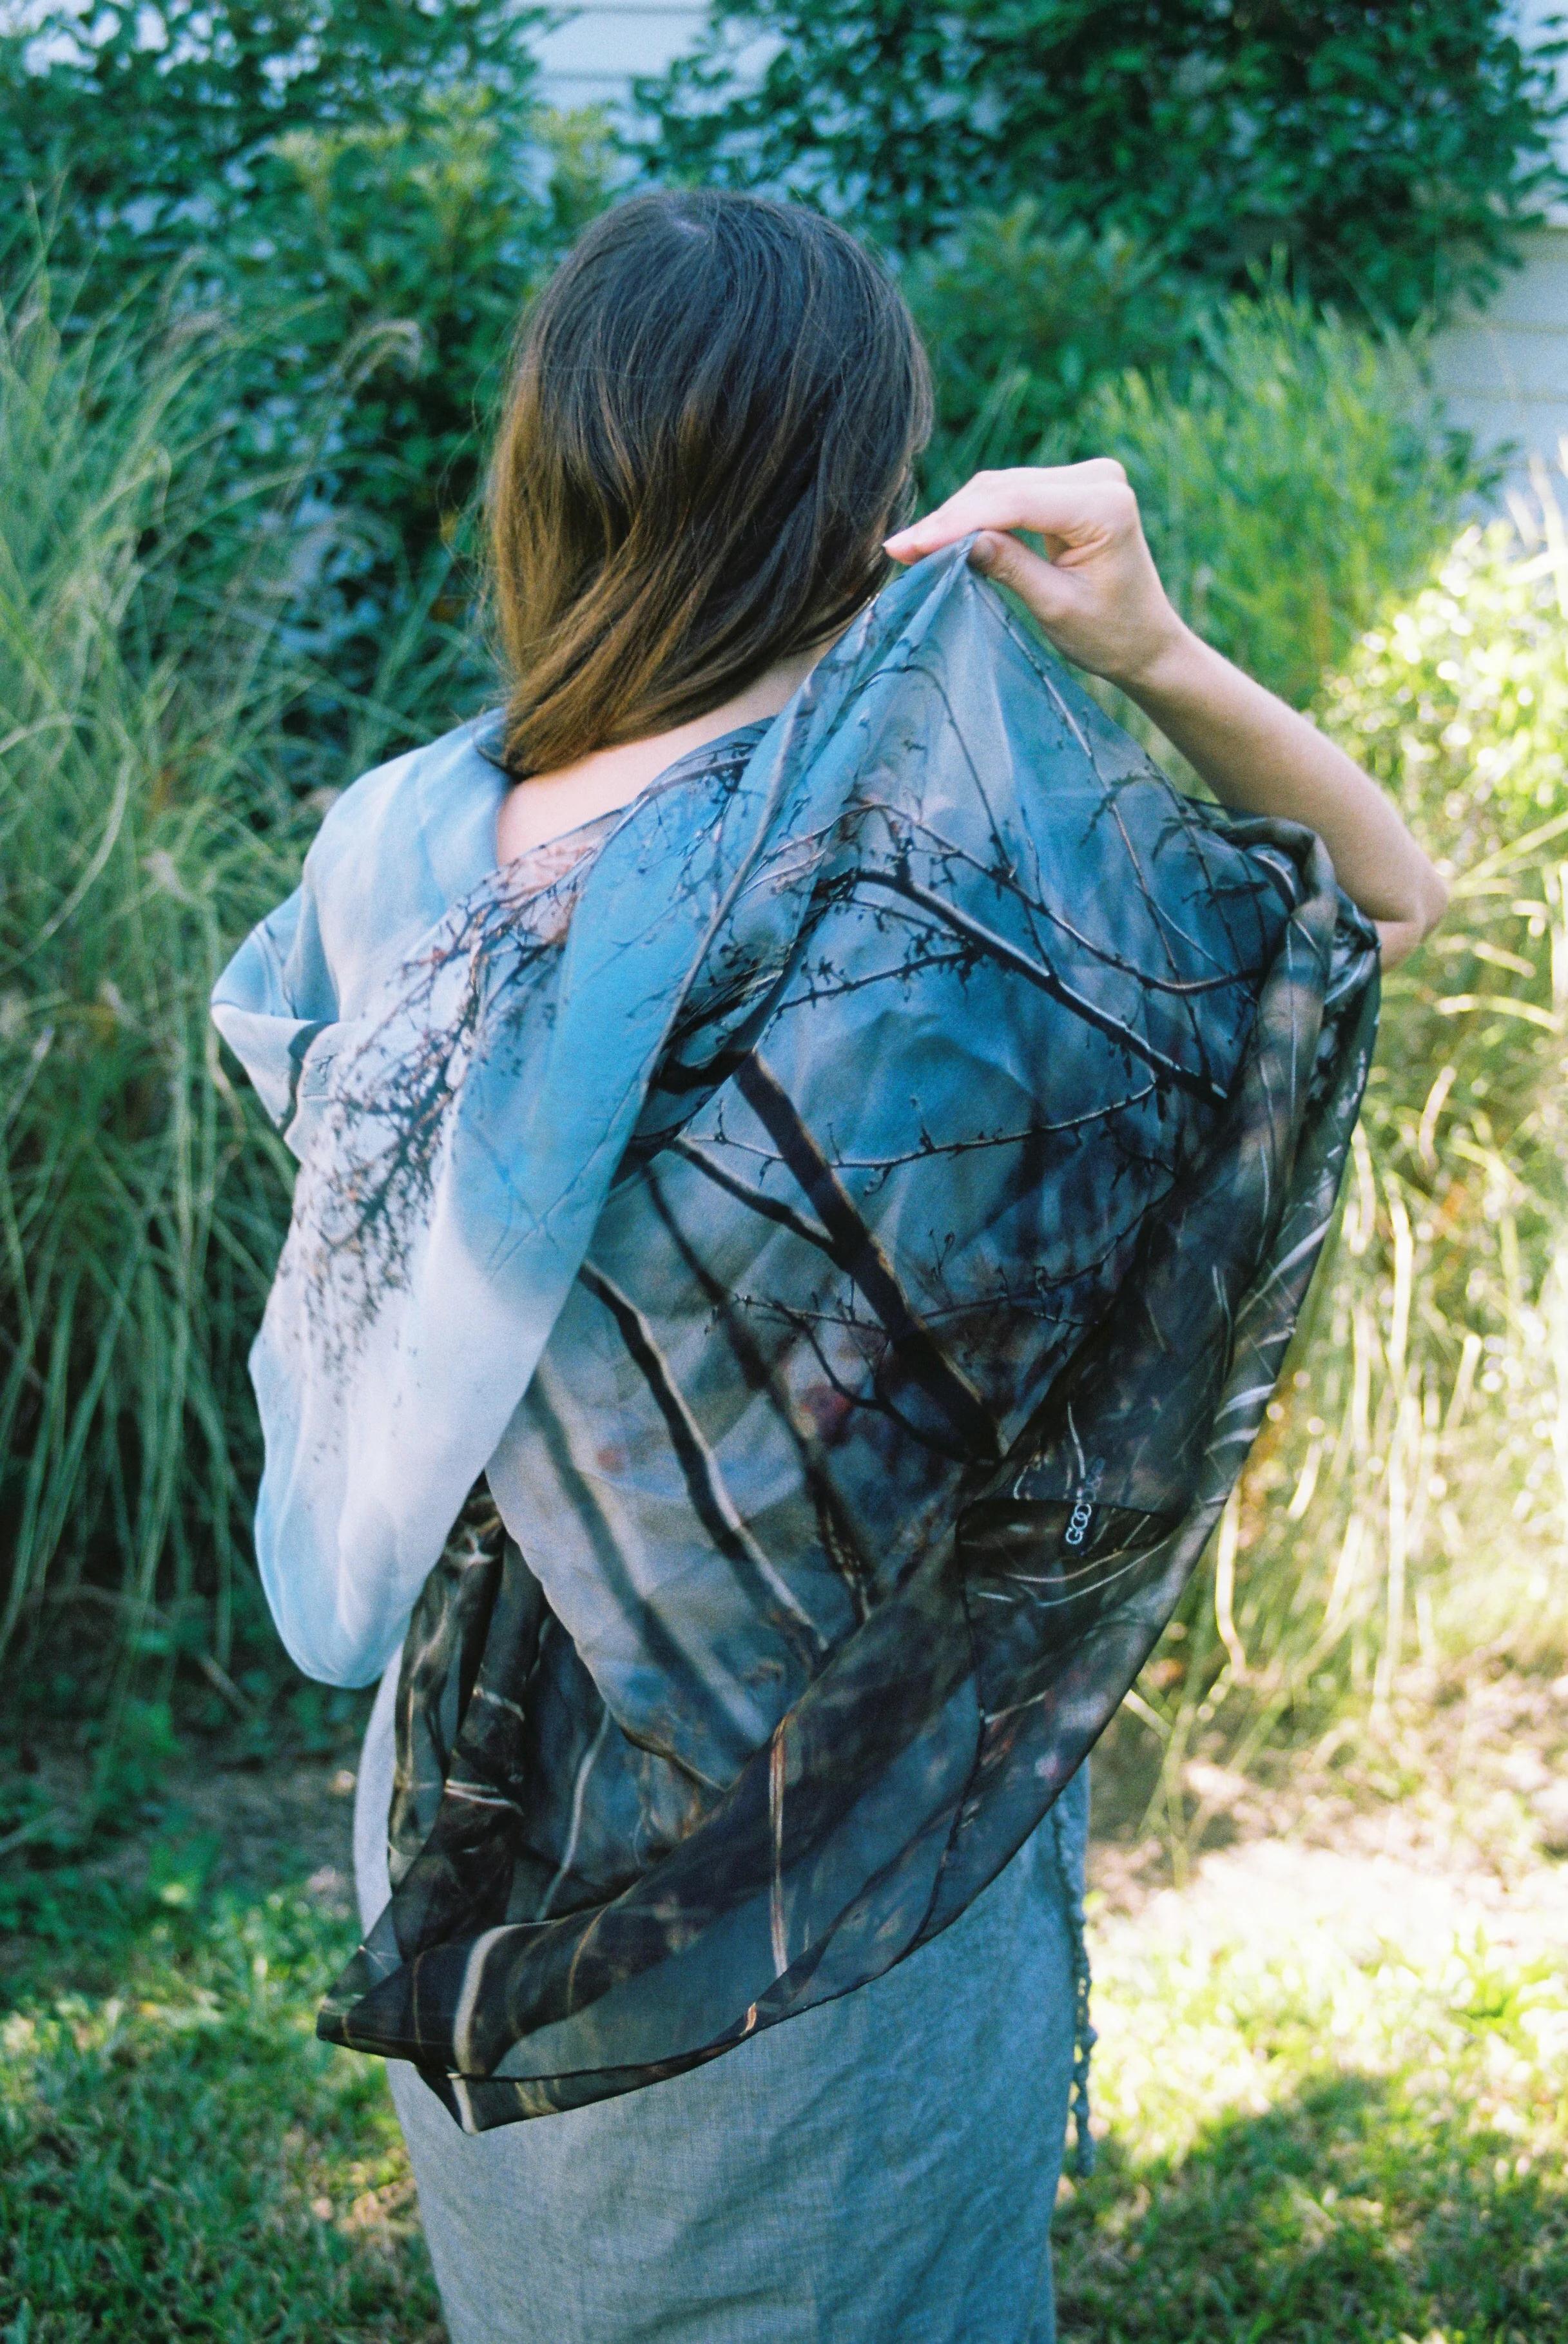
{"points": [[882, 2170], [481, 1092]]}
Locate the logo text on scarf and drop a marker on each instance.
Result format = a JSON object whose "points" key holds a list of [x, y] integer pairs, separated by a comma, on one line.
{"points": [[1082, 1514]]}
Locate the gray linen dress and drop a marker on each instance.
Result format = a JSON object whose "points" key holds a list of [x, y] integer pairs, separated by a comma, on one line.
{"points": [[881, 2170]]}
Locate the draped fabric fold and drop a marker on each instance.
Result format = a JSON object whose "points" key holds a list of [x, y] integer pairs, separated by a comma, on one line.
{"points": [[829, 1254]]}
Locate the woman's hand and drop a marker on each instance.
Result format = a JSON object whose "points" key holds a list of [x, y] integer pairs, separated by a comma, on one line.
{"points": [[1099, 599]]}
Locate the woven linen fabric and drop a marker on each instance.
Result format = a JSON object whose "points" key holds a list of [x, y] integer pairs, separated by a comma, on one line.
{"points": [[850, 1225], [886, 2167]]}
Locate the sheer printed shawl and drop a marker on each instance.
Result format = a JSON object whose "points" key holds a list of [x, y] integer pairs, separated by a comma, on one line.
{"points": [[467, 1077]]}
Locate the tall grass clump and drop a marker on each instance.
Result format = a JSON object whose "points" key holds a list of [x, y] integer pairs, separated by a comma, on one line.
{"points": [[145, 672], [1294, 472], [1294, 469], [1407, 1506]]}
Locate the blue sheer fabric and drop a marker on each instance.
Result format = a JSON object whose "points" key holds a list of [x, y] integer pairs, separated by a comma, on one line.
{"points": [[884, 2168], [828, 1252]]}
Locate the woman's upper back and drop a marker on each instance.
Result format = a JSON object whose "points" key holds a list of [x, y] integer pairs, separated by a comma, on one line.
{"points": [[942, 886]]}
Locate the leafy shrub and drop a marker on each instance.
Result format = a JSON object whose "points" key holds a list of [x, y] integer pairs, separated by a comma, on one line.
{"points": [[1293, 467], [162, 121], [1389, 149], [1292, 477], [370, 189], [397, 258], [1022, 320], [1459, 702]]}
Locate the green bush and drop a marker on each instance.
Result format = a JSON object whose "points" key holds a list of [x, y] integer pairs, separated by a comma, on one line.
{"points": [[1292, 476], [397, 257], [158, 123], [1389, 149], [1023, 320], [370, 189]]}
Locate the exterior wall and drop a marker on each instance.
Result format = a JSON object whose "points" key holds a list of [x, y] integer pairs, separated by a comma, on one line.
{"points": [[593, 57], [1504, 373]]}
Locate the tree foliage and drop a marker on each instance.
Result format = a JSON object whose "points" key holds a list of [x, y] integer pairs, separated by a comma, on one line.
{"points": [[369, 188], [1389, 148], [162, 120], [402, 253]]}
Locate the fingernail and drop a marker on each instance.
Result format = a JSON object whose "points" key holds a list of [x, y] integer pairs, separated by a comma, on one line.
{"points": [[983, 554]]}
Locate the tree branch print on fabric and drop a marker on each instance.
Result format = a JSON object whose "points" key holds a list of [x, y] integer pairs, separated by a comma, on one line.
{"points": [[854, 1223]]}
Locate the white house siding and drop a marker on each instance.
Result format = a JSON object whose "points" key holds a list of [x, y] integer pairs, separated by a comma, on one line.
{"points": [[593, 59], [1504, 371]]}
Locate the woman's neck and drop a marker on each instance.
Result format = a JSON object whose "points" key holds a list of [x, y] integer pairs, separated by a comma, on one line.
{"points": [[542, 808]]}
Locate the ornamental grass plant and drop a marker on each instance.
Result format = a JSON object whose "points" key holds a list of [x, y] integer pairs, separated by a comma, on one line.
{"points": [[144, 676], [1407, 1512], [155, 799], [169, 732]]}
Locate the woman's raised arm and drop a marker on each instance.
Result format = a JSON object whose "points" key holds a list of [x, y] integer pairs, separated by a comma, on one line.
{"points": [[1099, 599]]}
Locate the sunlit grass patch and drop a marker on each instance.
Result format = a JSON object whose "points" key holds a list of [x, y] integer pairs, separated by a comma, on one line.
{"points": [[180, 2157], [1319, 2125]]}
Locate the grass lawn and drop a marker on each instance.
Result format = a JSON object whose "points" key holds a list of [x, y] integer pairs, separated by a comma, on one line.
{"points": [[178, 2156], [1332, 2082]]}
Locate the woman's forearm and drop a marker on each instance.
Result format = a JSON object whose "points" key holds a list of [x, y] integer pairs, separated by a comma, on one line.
{"points": [[1098, 596], [1259, 756]]}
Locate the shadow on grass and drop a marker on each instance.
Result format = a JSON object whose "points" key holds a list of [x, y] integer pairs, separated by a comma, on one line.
{"points": [[1351, 2213], [178, 2156]]}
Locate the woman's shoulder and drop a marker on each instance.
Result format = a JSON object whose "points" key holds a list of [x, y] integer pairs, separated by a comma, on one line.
{"points": [[428, 805], [395, 850]]}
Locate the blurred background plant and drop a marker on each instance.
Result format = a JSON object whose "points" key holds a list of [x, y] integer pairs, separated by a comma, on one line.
{"points": [[1297, 471], [1294, 466], [152, 131], [1407, 1511], [145, 816], [1389, 152], [248, 356], [374, 190], [1024, 317]]}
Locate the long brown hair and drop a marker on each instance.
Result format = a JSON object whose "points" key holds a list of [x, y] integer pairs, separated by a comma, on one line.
{"points": [[714, 409]]}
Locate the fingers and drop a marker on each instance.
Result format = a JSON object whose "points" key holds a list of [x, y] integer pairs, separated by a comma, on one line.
{"points": [[1038, 584], [1076, 504]]}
